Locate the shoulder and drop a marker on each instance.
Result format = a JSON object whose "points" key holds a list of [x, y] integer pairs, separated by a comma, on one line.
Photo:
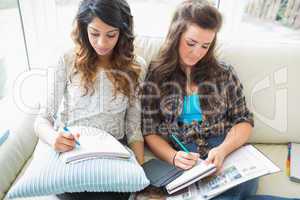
{"points": [[65, 61], [227, 71], [140, 63], [69, 58]]}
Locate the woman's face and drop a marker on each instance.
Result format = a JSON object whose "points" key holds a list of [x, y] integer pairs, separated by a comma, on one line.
{"points": [[194, 44], [102, 36]]}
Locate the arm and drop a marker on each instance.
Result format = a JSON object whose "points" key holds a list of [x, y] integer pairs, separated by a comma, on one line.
{"points": [[237, 136], [56, 80], [160, 147], [43, 126], [138, 149], [133, 130], [239, 116], [134, 135]]}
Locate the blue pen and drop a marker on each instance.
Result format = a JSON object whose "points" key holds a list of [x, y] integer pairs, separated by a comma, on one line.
{"points": [[68, 131], [60, 124], [179, 143]]}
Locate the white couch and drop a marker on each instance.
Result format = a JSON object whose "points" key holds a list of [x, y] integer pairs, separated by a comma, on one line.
{"points": [[269, 72]]}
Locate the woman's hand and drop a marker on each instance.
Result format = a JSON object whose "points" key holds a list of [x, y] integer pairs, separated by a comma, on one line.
{"points": [[65, 142], [216, 156], [185, 160]]}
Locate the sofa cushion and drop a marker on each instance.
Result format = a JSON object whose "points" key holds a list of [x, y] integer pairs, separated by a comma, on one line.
{"points": [[20, 144], [270, 75], [48, 174], [277, 184]]}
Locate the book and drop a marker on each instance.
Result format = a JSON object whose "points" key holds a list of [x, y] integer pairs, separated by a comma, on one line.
{"points": [[244, 164], [94, 143], [294, 174]]}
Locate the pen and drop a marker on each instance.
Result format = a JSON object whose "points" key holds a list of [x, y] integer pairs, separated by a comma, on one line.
{"points": [[68, 131], [62, 125], [179, 143]]}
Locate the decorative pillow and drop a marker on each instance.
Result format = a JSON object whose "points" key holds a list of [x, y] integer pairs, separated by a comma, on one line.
{"points": [[47, 174]]}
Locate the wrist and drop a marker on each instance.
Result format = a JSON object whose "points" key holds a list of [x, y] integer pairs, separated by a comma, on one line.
{"points": [[223, 148], [173, 159]]}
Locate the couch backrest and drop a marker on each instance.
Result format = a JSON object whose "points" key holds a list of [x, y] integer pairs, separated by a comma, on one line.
{"points": [[269, 73]]}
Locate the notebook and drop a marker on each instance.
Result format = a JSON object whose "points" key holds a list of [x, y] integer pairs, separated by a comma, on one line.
{"points": [[295, 162], [160, 173], [172, 179], [94, 143], [199, 171]]}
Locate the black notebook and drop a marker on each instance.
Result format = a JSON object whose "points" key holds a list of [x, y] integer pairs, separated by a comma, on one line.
{"points": [[160, 173]]}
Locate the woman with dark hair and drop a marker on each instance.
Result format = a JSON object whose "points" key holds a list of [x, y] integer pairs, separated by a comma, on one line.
{"points": [[190, 94], [96, 83]]}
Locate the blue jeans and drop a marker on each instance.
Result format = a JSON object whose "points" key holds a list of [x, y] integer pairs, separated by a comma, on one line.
{"points": [[239, 192], [267, 197]]}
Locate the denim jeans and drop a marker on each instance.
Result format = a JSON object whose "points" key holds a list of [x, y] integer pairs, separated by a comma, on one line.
{"points": [[267, 197]]}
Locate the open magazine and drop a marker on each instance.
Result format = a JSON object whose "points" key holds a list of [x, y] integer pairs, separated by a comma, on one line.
{"points": [[242, 165], [94, 143]]}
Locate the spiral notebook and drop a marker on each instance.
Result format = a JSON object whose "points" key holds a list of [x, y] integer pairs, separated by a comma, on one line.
{"points": [[94, 143]]}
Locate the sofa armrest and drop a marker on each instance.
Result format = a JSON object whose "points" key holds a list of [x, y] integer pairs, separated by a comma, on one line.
{"points": [[18, 147]]}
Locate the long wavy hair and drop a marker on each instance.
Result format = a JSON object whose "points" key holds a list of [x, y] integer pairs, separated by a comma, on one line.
{"points": [[123, 73], [167, 66]]}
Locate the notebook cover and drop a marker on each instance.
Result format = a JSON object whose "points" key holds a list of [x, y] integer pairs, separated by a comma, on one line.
{"points": [[160, 173]]}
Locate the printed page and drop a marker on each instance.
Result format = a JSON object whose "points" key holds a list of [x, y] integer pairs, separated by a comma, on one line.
{"points": [[244, 164], [188, 193]]}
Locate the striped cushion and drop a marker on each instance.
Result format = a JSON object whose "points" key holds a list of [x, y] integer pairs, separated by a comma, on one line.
{"points": [[47, 174]]}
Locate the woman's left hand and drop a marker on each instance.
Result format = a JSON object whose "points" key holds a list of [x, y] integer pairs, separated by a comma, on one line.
{"points": [[216, 156]]}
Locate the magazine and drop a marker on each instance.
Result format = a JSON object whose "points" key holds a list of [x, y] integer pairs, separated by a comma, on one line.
{"points": [[94, 143], [244, 164]]}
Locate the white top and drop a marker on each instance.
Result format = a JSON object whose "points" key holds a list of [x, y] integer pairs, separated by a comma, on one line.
{"points": [[102, 109]]}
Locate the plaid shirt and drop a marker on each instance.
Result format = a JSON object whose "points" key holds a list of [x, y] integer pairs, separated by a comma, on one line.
{"points": [[222, 102]]}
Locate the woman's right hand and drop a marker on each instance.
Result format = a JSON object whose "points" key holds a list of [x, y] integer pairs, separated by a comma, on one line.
{"points": [[185, 160], [64, 142]]}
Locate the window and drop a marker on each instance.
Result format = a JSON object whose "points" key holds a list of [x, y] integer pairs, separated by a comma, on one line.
{"points": [[262, 20], [12, 49], [48, 24]]}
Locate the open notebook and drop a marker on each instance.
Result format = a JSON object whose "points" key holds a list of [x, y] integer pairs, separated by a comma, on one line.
{"points": [[199, 171], [94, 143]]}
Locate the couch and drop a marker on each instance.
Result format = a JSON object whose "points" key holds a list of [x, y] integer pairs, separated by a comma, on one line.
{"points": [[268, 71]]}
